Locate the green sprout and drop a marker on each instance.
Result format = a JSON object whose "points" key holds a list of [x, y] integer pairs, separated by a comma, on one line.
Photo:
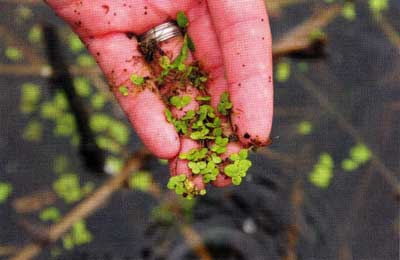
{"points": [[30, 97], [13, 53], [141, 181], [33, 131], [60, 164], [85, 60], [67, 187], [203, 98], [78, 235], [322, 172], [98, 101], [238, 169], [360, 153], [82, 86], [177, 183], [282, 71], [5, 191], [180, 102], [137, 80], [75, 44], [196, 167], [183, 186], [349, 11], [224, 104], [201, 134], [99, 122], [211, 171], [304, 128], [220, 145], [182, 20], [378, 5], [119, 132], [194, 154], [35, 34], [50, 214]]}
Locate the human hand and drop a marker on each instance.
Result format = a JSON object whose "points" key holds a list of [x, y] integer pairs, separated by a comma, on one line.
{"points": [[233, 45]]}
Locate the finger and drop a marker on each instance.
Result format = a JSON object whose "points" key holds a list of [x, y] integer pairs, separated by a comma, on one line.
{"points": [[178, 166], [98, 24], [100, 17], [171, 48], [245, 40], [119, 58]]}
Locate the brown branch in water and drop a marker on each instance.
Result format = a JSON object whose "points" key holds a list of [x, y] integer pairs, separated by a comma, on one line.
{"points": [[300, 39], [275, 7], [293, 232], [86, 207], [34, 201], [7, 250], [389, 30]]}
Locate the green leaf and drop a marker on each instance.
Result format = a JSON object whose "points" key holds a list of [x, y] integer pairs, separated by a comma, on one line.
{"points": [[137, 80], [85, 60], [50, 214], [304, 128], [5, 191], [224, 104], [283, 71], [182, 20], [349, 165], [168, 115], [30, 97], [13, 53], [119, 132], [180, 102], [100, 122], [82, 86], [141, 181], [67, 187], [33, 131], [35, 34], [75, 44], [98, 100], [123, 90], [183, 54], [189, 115], [191, 45], [360, 153]]}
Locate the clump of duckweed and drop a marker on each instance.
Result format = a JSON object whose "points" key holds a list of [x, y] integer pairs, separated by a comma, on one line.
{"points": [[203, 125]]}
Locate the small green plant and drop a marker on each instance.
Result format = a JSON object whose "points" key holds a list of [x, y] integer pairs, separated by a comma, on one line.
{"points": [[322, 172]]}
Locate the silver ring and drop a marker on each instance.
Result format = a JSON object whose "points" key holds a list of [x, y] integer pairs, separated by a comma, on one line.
{"points": [[160, 33]]}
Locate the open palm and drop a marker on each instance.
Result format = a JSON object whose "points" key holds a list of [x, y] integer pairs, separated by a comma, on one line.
{"points": [[233, 44]]}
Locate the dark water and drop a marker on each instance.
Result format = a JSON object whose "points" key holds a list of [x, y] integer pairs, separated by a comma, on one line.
{"points": [[349, 97]]}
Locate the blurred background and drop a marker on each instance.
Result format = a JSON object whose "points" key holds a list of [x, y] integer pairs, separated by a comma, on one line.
{"points": [[75, 182]]}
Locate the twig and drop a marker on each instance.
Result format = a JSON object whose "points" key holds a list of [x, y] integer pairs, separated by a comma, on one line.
{"points": [[7, 250], [299, 39], [275, 7], [293, 232], [85, 208], [388, 29], [34, 201]]}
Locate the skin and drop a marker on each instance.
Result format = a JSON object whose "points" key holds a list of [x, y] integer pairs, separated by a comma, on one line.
{"points": [[233, 44]]}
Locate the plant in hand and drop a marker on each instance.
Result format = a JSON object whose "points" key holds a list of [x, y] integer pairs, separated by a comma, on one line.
{"points": [[202, 125]]}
